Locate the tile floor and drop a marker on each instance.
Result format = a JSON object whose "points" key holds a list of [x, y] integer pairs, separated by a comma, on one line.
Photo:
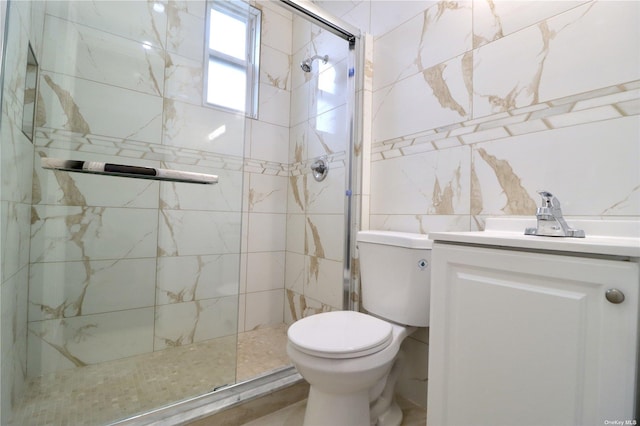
{"points": [[293, 415], [100, 394]]}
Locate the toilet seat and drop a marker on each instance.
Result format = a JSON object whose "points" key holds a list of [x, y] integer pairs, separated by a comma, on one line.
{"points": [[340, 334]]}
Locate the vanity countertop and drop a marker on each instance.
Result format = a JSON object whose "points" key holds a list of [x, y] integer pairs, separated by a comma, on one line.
{"points": [[603, 237]]}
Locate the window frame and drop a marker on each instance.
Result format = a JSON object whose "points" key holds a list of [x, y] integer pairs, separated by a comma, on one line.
{"points": [[252, 17]]}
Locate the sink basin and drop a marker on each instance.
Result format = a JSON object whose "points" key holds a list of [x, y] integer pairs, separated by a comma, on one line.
{"points": [[603, 237]]}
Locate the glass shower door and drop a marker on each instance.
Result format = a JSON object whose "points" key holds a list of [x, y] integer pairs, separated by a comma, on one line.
{"points": [[130, 286]]}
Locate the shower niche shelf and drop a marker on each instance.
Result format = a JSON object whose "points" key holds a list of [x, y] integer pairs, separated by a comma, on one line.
{"points": [[123, 170]]}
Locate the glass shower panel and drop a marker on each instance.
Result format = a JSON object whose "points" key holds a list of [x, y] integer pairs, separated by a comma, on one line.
{"points": [[130, 286]]}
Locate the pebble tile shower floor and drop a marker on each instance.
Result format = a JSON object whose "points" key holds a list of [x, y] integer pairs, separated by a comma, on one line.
{"points": [[100, 394]]}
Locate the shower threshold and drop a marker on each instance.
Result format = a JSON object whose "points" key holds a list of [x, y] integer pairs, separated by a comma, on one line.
{"points": [[209, 405]]}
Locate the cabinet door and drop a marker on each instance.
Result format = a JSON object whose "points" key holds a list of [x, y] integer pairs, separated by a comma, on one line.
{"points": [[520, 338]]}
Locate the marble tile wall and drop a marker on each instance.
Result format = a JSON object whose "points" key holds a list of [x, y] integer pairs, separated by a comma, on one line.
{"points": [[315, 211], [16, 157], [292, 241], [478, 104], [266, 178], [120, 267]]}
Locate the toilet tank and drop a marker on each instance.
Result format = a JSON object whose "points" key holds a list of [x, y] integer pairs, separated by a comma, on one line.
{"points": [[395, 275]]}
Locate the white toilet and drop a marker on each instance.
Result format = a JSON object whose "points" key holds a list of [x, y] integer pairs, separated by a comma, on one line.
{"points": [[352, 360]]}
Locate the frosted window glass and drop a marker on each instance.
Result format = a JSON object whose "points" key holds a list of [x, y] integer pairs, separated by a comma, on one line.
{"points": [[227, 85], [228, 35]]}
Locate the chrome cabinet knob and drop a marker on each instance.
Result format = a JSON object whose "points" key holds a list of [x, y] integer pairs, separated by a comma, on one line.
{"points": [[614, 295]]}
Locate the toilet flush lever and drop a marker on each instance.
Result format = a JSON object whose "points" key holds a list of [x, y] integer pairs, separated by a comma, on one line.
{"points": [[551, 223]]}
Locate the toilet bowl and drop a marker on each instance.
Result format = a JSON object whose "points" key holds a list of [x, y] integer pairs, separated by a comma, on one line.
{"points": [[344, 355], [351, 359]]}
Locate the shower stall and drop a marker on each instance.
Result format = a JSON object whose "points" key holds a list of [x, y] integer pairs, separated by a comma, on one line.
{"points": [[169, 267]]}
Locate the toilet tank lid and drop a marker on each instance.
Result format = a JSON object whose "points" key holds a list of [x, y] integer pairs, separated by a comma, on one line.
{"points": [[393, 238]]}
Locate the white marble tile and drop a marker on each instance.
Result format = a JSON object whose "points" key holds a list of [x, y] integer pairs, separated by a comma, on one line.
{"points": [[419, 224], [301, 306], [269, 142], [325, 236], [13, 332], [329, 87], [436, 182], [509, 172], [324, 281], [70, 103], [274, 7], [437, 97], [264, 308], [387, 15], [532, 65], [276, 30], [73, 342], [180, 324], [297, 143], [191, 232], [359, 16], [588, 29], [300, 104], [296, 232], [61, 233], [34, 27], [16, 162], [102, 57], [275, 68], [326, 197], [295, 272], [339, 8], [242, 312], [183, 79], [417, 44], [413, 380], [274, 105], [243, 271], [135, 20], [267, 194], [15, 219], [189, 278], [67, 289], [203, 128], [267, 232], [226, 195], [265, 271], [493, 20], [301, 34], [185, 30], [196, 8], [327, 43]]}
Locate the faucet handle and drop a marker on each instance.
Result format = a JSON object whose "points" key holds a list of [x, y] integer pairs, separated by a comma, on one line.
{"points": [[550, 208], [549, 200], [550, 220]]}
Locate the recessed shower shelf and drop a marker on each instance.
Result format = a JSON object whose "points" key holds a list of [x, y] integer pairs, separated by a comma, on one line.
{"points": [[122, 170]]}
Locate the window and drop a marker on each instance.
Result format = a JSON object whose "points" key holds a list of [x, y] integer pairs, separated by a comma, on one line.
{"points": [[232, 56]]}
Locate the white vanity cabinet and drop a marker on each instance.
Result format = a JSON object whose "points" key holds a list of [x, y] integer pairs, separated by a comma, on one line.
{"points": [[522, 336]]}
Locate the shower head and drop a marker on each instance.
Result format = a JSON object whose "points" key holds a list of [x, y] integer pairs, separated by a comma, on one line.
{"points": [[306, 64]]}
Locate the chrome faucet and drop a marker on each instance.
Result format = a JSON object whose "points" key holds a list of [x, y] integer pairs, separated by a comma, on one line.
{"points": [[550, 220]]}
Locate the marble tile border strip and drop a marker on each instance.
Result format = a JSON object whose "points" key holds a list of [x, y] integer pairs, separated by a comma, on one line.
{"points": [[598, 105], [105, 145]]}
